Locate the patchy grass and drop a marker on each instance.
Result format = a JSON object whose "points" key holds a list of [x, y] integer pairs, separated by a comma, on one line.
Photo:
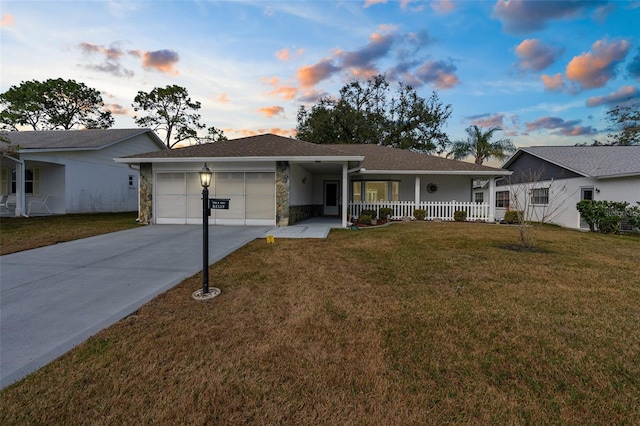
{"points": [[415, 323], [19, 233]]}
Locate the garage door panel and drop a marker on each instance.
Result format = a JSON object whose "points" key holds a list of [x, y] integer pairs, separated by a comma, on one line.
{"points": [[171, 205], [251, 195], [261, 207]]}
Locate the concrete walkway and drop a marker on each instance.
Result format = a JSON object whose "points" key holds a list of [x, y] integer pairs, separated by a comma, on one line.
{"points": [[53, 298]]}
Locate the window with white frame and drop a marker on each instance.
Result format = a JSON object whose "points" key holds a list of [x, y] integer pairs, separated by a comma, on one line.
{"points": [[375, 191], [502, 199], [479, 197], [31, 181], [540, 196]]}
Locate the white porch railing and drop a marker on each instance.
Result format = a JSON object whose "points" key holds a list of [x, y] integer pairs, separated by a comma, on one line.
{"points": [[442, 210]]}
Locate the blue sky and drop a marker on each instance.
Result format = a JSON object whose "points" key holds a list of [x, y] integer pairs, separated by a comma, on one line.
{"points": [[545, 71]]}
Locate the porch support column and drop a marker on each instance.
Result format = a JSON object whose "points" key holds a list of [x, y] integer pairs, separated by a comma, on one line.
{"points": [[19, 188], [492, 199], [345, 194], [417, 192]]}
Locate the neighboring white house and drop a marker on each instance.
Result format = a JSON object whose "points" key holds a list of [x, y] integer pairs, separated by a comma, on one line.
{"points": [[567, 175], [72, 171], [274, 180]]}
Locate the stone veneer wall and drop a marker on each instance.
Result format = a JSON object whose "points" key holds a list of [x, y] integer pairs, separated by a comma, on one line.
{"points": [[298, 213], [146, 193], [282, 193]]}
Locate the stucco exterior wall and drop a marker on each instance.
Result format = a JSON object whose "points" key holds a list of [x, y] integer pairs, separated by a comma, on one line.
{"points": [[564, 194]]}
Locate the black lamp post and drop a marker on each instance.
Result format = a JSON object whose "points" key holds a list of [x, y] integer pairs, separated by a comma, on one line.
{"points": [[205, 181]]}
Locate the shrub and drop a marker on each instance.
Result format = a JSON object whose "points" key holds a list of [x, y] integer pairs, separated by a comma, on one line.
{"points": [[370, 212], [460, 216], [605, 216], [365, 219], [419, 214], [385, 211], [513, 216]]}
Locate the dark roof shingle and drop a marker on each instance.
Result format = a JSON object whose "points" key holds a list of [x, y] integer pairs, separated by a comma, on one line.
{"points": [[72, 139]]}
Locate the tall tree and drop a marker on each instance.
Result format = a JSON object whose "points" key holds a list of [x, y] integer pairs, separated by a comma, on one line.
{"points": [[625, 122], [170, 110], [365, 113], [53, 104], [479, 145]]}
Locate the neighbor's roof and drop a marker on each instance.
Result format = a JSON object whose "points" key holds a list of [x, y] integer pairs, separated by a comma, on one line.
{"points": [[373, 158], [73, 140], [386, 159], [589, 161]]}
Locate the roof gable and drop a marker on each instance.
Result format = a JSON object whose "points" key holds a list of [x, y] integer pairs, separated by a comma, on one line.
{"points": [[74, 140], [588, 161]]}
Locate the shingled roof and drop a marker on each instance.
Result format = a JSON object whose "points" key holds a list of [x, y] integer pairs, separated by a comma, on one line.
{"points": [[373, 157], [589, 161], [74, 139], [260, 146], [383, 158]]}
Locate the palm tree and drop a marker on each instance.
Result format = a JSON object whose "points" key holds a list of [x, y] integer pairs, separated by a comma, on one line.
{"points": [[479, 144]]}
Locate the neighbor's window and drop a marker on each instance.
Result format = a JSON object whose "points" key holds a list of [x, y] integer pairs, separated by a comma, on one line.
{"points": [[131, 181], [540, 196], [479, 197], [31, 181], [502, 199]]}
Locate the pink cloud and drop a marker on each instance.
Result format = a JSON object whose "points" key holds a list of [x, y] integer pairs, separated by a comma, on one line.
{"points": [[553, 83], [559, 126], [279, 90], [439, 73], [442, 6], [310, 75], [286, 54], [523, 16], [271, 111], [369, 3], [596, 68], [488, 121], [620, 96], [7, 20], [112, 53], [117, 109], [160, 60], [534, 56]]}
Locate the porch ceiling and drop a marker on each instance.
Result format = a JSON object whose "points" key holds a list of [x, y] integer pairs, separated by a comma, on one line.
{"points": [[318, 168]]}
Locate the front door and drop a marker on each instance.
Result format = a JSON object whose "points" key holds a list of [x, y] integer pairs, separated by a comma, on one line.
{"points": [[331, 198], [585, 194]]}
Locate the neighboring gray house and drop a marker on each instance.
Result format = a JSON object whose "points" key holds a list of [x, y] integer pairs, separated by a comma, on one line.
{"points": [[72, 171], [274, 180], [569, 174]]}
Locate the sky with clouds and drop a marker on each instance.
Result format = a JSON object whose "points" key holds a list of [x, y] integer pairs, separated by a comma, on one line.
{"points": [[545, 71]]}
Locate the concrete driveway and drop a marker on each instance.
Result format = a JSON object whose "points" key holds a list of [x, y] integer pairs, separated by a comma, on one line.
{"points": [[53, 298]]}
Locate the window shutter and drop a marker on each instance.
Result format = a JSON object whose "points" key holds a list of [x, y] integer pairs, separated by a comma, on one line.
{"points": [[36, 181], [4, 182]]}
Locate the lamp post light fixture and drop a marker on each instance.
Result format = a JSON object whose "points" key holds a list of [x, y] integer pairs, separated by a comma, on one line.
{"points": [[205, 181]]}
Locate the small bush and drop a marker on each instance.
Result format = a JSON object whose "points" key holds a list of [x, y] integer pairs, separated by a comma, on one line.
{"points": [[513, 216], [365, 219], [385, 211], [460, 216], [419, 214], [606, 216], [370, 212]]}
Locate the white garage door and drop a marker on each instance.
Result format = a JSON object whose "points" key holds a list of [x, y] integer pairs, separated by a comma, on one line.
{"points": [[252, 198]]}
